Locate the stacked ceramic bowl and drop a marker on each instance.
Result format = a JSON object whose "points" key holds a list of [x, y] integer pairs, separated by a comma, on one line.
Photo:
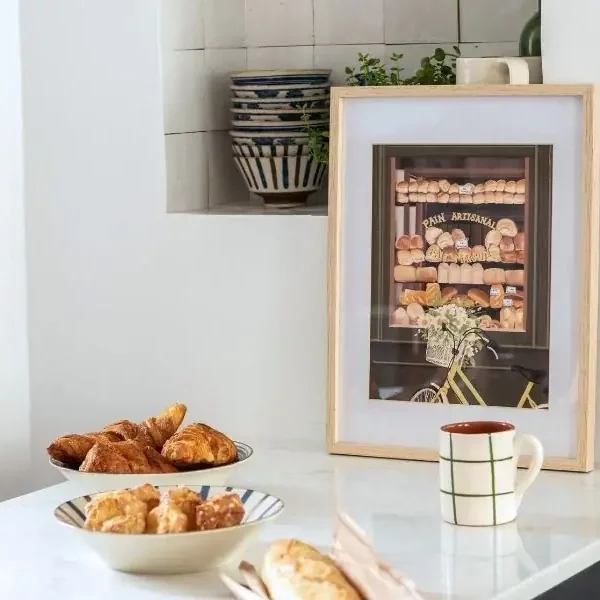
{"points": [[272, 112]]}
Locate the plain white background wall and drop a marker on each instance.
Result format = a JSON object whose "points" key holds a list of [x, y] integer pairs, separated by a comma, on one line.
{"points": [[130, 308], [14, 376]]}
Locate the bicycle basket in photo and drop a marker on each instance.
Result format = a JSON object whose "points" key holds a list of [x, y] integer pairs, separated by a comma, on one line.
{"points": [[439, 350]]}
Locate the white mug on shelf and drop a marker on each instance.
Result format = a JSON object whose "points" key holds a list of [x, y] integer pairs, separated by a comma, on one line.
{"points": [[478, 472], [499, 70]]}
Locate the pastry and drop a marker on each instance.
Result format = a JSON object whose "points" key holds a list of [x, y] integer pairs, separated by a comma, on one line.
{"points": [[413, 186], [146, 493], [409, 296], [499, 197], [443, 269], [454, 198], [72, 449], [421, 197], [116, 512], [464, 255], [490, 197], [423, 185], [467, 188], [403, 242], [489, 186], [404, 273], [519, 241], [516, 277], [492, 237], [479, 253], [404, 257], [466, 273], [485, 321], [507, 227], [401, 198], [521, 257], [509, 256], [448, 293], [433, 254], [426, 274], [295, 570], [413, 197], [454, 189], [500, 185], [432, 234], [400, 317], [186, 500], [450, 255], [496, 295], [445, 240], [506, 243], [508, 317], [444, 185], [160, 429], [433, 187], [416, 241], [494, 254], [458, 234], [510, 187], [519, 318], [418, 256], [453, 273], [463, 300], [520, 186], [465, 198], [479, 198], [477, 274], [519, 198], [402, 187], [199, 444], [443, 198], [431, 197], [220, 511], [415, 313], [508, 198], [479, 297], [492, 276], [479, 188], [167, 518], [518, 302]]}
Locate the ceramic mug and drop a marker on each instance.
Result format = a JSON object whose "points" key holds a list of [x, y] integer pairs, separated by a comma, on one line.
{"points": [[478, 472], [504, 69]]}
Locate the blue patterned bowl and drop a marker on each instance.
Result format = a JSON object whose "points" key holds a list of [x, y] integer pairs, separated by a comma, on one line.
{"points": [[175, 552], [279, 125], [321, 101], [280, 91], [267, 151], [268, 138], [279, 115], [281, 77]]}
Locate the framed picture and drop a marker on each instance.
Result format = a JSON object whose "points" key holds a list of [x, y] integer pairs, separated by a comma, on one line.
{"points": [[463, 266]]}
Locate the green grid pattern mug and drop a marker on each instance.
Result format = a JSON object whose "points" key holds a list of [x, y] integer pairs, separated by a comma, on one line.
{"points": [[478, 472]]}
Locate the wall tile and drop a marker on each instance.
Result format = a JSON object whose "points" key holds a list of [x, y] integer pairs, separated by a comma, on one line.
{"points": [[187, 172], [182, 24], [338, 58], [348, 22], [225, 184], [413, 53], [279, 23], [224, 23], [299, 57], [416, 21], [494, 49], [183, 91], [494, 20], [219, 63]]}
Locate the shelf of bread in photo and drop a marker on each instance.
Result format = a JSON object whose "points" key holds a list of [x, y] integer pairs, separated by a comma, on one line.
{"points": [[442, 191], [440, 267]]}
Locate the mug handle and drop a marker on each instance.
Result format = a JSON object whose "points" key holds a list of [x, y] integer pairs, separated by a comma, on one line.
{"points": [[537, 458], [518, 70]]}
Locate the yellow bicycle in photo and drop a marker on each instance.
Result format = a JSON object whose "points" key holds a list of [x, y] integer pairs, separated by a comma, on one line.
{"points": [[434, 393]]}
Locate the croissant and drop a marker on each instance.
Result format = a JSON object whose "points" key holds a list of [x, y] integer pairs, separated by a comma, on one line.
{"points": [[128, 457], [72, 449], [199, 444], [157, 430]]}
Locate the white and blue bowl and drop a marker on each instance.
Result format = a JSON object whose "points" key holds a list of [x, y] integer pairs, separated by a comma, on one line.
{"points": [[101, 482], [269, 138], [176, 552], [265, 126], [279, 115], [320, 101], [257, 151], [281, 77], [280, 91]]}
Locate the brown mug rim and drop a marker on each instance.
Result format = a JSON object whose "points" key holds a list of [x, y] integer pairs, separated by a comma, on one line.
{"points": [[480, 427]]}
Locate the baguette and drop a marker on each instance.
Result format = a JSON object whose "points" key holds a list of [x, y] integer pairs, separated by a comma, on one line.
{"points": [[293, 570]]}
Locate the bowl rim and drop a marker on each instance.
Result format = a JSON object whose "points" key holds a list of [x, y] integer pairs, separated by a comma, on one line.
{"points": [[249, 124], [62, 467], [277, 72], [258, 134], [172, 535], [277, 111], [315, 98], [291, 86]]}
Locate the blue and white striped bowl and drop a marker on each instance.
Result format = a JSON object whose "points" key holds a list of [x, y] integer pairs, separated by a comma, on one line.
{"points": [[321, 101], [268, 138], [278, 125], [279, 115], [281, 77], [280, 91], [257, 151], [100, 482], [177, 552]]}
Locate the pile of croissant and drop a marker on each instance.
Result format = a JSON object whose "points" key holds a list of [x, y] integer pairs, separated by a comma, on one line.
{"points": [[179, 510], [444, 192], [153, 446]]}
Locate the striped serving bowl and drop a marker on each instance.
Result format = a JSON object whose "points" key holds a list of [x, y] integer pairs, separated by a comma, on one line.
{"points": [[174, 552], [301, 90], [320, 101], [280, 115], [281, 77]]}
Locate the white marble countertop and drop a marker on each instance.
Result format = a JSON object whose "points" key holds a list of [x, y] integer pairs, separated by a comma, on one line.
{"points": [[396, 502]]}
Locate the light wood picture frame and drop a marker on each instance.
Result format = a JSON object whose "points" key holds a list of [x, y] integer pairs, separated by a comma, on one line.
{"points": [[385, 139]]}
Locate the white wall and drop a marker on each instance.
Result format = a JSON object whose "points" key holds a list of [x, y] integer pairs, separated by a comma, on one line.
{"points": [[131, 308], [14, 377]]}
